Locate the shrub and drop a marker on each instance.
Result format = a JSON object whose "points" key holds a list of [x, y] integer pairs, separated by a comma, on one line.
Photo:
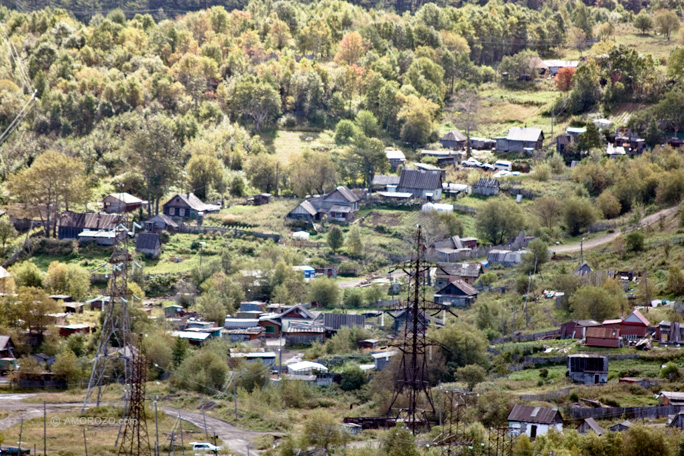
{"points": [[635, 241]]}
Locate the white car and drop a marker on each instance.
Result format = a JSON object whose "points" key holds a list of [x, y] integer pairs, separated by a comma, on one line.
{"points": [[471, 163], [204, 446]]}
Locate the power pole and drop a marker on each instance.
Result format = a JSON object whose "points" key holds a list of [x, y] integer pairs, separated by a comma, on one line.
{"points": [[85, 443], [156, 427], [134, 439], [44, 429]]}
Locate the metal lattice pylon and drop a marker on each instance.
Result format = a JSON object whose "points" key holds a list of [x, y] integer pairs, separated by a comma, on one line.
{"points": [[135, 439], [413, 381], [115, 342]]}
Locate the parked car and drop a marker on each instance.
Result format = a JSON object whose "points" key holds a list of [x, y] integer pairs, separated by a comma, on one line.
{"points": [[204, 446], [487, 167], [471, 163]]}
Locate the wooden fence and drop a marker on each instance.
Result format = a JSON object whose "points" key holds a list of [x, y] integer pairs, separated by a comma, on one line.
{"points": [[546, 335], [607, 413]]}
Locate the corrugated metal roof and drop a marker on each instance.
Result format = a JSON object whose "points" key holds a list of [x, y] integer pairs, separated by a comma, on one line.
{"points": [[529, 414], [195, 203], [395, 155], [91, 221], [602, 333], [346, 194], [454, 135], [126, 198], [147, 241], [337, 321], [524, 134], [486, 183], [419, 179], [382, 180]]}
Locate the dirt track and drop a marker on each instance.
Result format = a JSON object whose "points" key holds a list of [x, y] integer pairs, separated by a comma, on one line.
{"points": [[647, 221]]}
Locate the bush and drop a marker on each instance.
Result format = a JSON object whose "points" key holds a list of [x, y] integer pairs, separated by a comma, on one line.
{"points": [[345, 131], [635, 241], [348, 268]]}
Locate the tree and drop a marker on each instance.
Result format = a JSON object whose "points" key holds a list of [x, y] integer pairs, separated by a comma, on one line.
{"points": [[7, 231], [34, 305], [211, 308], [675, 280], [325, 292], [335, 238], [345, 131], [499, 219], [367, 123], [204, 171], [351, 48], [670, 372], [312, 172], [178, 351], [472, 374], [643, 22], [27, 274], [538, 254], [366, 158], [152, 148], [262, 171], [635, 241], [596, 303], [466, 113], [50, 185], [66, 367], [564, 78], [322, 430], [353, 378], [645, 441], [608, 205], [548, 209], [464, 344], [578, 214], [590, 139], [354, 242], [254, 99], [666, 22], [205, 372], [417, 115], [399, 441]]}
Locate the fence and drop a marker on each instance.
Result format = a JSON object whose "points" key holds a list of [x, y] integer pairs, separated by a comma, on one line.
{"points": [[194, 229], [606, 413], [544, 360], [546, 335]]}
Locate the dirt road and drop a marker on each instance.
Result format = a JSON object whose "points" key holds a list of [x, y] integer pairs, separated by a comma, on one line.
{"points": [[647, 221], [235, 439]]}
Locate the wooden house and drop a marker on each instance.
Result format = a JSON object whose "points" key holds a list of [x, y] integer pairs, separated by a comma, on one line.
{"points": [[465, 272], [67, 330], [395, 157], [455, 139], [576, 329], [118, 203], [262, 198], [6, 347], [340, 205], [187, 205], [457, 293], [149, 244], [71, 224], [160, 222], [421, 184], [520, 139], [634, 326], [602, 337]]}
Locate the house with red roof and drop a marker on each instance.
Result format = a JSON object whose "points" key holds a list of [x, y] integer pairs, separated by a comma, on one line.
{"points": [[632, 327]]}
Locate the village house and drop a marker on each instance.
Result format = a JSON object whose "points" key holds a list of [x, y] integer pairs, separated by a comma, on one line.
{"points": [[588, 369], [395, 157], [275, 324], [193, 337], [382, 359], [486, 187], [187, 205], [118, 203], [583, 270], [534, 421], [466, 272], [384, 183], [597, 336], [340, 205], [632, 327], [265, 358], [669, 332], [630, 142], [676, 421], [576, 329], [455, 139], [421, 184], [479, 143], [6, 347], [457, 293], [505, 258], [571, 136], [148, 244], [672, 398], [71, 224], [521, 140], [553, 66], [261, 198], [76, 328], [590, 425], [444, 157], [304, 332], [333, 322], [452, 249], [244, 335], [159, 223]]}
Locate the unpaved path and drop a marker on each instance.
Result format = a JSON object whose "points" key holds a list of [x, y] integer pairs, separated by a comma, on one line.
{"points": [[237, 440], [647, 221]]}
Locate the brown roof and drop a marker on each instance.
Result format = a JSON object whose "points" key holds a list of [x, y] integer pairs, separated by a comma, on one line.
{"points": [[529, 414], [90, 221], [602, 333], [346, 194]]}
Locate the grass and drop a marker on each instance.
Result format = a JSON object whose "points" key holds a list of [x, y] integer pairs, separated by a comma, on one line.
{"points": [[290, 143]]}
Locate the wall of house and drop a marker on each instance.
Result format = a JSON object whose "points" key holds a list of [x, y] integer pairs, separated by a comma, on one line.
{"points": [[526, 428], [589, 378]]}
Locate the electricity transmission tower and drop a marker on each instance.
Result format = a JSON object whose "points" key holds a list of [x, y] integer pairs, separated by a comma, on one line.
{"points": [[115, 337], [134, 439], [416, 349]]}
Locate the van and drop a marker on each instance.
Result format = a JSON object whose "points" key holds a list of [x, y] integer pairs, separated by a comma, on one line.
{"points": [[503, 165]]}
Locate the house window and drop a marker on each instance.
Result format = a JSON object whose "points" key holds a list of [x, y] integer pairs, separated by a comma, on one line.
{"points": [[181, 212], [172, 211], [533, 431], [270, 329]]}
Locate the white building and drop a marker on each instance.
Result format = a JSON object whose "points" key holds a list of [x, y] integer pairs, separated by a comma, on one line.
{"points": [[534, 421]]}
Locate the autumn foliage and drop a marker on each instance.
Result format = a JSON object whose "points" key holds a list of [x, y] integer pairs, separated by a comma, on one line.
{"points": [[564, 78]]}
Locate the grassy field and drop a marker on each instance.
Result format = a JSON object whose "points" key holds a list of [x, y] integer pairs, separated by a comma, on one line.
{"points": [[287, 144]]}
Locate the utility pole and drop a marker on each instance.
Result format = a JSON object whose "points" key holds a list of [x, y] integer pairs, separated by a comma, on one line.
{"points": [[156, 427], [85, 443], [204, 418], [180, 422], [21, 431], [235, 394], [44, 429]]}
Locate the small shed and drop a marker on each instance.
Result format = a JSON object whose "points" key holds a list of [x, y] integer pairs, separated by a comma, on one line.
{"points": [[588, 369], [262, 198], [368, 344], [455, 139], [602, 337], [620, 427], [301, 236], [456, 293], [160, 222], [486, 187], [116, 203], [308, 271], [148, 244], [172, 311], [382, 359], [534, 421], [266, 358], [590, 425], [67, 330], [306, 368]]}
